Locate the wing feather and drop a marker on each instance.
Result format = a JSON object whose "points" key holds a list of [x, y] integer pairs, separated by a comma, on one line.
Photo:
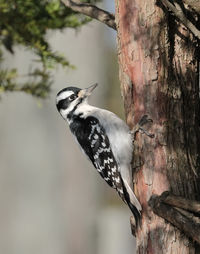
{"points": [[95, 143]]}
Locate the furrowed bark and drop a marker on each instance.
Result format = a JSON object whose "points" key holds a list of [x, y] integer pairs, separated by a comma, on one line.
{"points": [[158, 64], [177, 11], [193, 3]]}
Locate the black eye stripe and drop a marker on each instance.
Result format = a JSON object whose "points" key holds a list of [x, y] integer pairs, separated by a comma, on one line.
{"points": [[63, 104]]}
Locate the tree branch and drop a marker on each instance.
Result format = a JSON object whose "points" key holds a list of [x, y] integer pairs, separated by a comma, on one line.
{"points": [[189, 205], [181, 16], [185, 224], [92, 11], [188, 214]]}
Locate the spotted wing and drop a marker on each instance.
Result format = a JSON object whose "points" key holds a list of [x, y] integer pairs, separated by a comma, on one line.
{"points": [[95, 143]]}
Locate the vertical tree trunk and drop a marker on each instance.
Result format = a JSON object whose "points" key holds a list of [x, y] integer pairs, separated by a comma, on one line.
{"points": [[158, 73]]}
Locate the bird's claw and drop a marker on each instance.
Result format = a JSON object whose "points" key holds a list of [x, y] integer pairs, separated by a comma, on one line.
{"points": [[138, 128], [143, 131]]}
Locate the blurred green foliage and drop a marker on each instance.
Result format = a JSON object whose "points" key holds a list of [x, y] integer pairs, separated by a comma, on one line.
{"points": [[26, 22]]}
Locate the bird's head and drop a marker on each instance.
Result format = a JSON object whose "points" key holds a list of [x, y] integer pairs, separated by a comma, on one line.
{"points": [[70, 98]]}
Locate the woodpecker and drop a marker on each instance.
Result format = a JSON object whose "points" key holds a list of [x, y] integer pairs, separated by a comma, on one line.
{"points": [[105, 139]]}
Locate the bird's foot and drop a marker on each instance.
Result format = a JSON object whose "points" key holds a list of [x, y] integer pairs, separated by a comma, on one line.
{"points": [[138, 127]]}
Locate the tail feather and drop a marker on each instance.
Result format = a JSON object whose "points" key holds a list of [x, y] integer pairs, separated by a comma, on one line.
{"points": [[136, 214], [132, 202]]}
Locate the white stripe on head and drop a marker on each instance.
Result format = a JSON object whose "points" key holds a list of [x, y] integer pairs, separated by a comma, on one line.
{"points": [[63, 95], [65, 112]]}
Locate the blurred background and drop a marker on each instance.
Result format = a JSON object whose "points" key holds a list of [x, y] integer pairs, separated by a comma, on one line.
{"points": [[52, 199]]}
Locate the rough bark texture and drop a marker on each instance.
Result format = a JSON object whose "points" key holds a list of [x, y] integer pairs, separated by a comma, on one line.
{"points": [[158, 73]]}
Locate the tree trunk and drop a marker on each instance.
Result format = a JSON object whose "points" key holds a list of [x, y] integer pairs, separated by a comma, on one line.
{"points": [[159, 77]]}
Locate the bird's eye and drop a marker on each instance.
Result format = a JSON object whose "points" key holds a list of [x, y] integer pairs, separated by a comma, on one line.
{"points": [[72, 97]]}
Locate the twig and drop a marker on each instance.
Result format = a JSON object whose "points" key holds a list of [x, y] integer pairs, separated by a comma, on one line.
{"points": [[189, 205], [172, 215], [180, 15], [92, 11]]}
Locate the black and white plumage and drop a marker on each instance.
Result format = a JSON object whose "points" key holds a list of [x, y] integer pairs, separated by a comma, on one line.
{"points": [[104, 138]]}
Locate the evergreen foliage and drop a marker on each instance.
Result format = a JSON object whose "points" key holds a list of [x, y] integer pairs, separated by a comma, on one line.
{"points": [[26, 22]]}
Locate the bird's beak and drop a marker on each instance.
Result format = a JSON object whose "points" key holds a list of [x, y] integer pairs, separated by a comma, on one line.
{"points": [[84, 93]]}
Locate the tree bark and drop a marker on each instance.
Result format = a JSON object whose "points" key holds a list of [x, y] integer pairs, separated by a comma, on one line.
{"points": [[158, 63]]}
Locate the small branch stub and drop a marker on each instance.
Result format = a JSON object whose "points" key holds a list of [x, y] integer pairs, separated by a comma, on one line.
{"points": [[189, 205], [185, 223]]}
